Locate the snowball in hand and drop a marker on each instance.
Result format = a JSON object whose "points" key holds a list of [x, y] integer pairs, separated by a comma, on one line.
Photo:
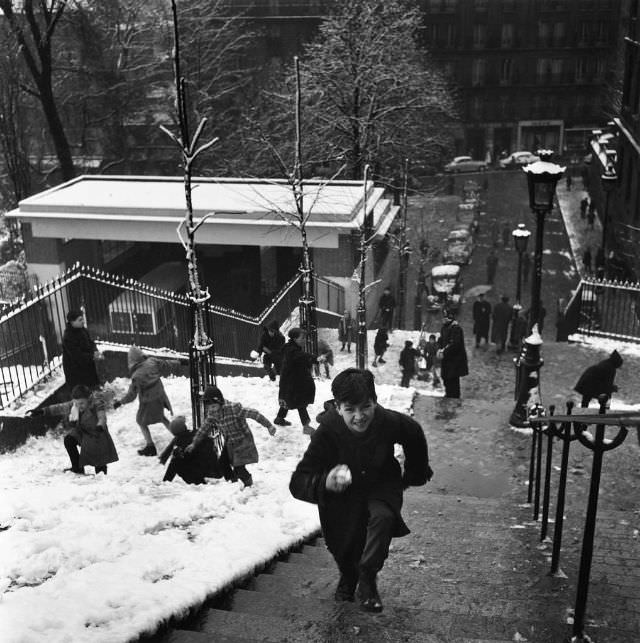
{"points": [[343, 474], [254, 354]]}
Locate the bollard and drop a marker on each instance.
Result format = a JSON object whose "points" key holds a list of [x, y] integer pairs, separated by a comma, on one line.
{"points": [[564, 433], [536, 492], [550, 432], [528, 366], [598, 445]]}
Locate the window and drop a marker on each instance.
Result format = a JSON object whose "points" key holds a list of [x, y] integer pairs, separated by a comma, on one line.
{"points": [[478, 71], [506, 71], [558, 34], [449, 69], [581, 69], [476, 108], [144, 323], [435, 6], [480, 5], [450, 35], [479, 35], [556, 70], [600, 68], [544, 33], [121, 322], [506, 37], [603, 33], [450, 5], [585, 33], [543, 70], [504, 107]]}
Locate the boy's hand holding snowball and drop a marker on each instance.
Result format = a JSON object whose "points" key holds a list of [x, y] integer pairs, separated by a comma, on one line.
{"points": [[339, 478]]}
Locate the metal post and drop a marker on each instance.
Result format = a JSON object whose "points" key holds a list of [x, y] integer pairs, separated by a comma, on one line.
{"points": [[361, 312], [549, 431], [534, 441], [605, 221], [536, 283], [565, 434], [598, 446], [536, 491], [528, 365]]}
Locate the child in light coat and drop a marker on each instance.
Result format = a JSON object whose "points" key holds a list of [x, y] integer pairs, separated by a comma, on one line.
{"points": [[147, 386]]}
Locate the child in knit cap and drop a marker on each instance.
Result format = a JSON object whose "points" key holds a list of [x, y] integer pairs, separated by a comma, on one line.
{"points": [[230, 419], [147, 386]]}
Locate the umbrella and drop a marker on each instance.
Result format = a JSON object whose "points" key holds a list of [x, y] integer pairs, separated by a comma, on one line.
{"points": [[480, 289]]}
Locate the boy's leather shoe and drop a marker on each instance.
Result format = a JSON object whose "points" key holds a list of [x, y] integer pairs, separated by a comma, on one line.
{"points": [[282, 422], [368, 594], [346, 588], [77, 470]]}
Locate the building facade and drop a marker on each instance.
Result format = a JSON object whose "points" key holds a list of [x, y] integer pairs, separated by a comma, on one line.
{"points": [[531, 73]]}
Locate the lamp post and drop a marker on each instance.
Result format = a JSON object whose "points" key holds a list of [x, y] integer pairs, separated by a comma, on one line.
{"points": [[609, 179], [542, 177], [520, 240]]}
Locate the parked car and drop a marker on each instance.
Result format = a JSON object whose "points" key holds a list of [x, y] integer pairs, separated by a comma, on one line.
{"points": [[465, 164], [518, 159], [446, 288], [459, 246]]}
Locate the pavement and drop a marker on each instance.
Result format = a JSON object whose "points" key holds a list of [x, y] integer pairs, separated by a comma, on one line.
{"points": [[474, 569]]}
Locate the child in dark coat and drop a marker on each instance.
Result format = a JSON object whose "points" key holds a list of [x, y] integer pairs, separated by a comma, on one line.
{"points": [[380, 345], [87, 418], [192, 466], [598, 379], [408, 356], [350, 472], [147, 386], [230, 419]]}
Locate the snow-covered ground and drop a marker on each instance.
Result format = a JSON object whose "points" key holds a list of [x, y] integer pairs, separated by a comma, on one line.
{"points": [[100, 558]]}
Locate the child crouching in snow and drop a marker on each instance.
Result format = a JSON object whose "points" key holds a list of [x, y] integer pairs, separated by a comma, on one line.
{"points": [[89, 431], [230, 418], [192, 466], [147, 386]]}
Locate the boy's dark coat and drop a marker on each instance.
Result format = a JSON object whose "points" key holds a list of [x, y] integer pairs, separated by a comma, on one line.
{"points": [[598, 379], [297, 387], [375, 471], [77, 357], [454, 355]]}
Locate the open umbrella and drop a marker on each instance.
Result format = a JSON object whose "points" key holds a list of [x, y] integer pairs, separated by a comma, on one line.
{"points": [[480, 289]]}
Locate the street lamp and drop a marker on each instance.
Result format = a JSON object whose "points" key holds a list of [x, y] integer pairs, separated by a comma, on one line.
{"points": [[609, 179], [542, 177], [520, 240]]}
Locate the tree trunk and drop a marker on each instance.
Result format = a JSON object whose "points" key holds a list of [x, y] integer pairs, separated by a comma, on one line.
{"points": [[56, 129]]}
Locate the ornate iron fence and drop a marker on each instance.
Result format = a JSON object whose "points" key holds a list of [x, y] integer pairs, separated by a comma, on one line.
{"points": [[605, 309], [121, 310]]}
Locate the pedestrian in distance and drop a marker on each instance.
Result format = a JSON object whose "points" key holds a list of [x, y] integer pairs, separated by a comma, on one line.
{"points": [[346, 331], [453, 355], [591, 218], [599, 379], [519, 327], [584, 204], [407, 361], [270, 346], [380, 345], [79, 353], [569, 181], [586, 260], [430, 352], [230, 419], [297, 388], [495, 234], [506, 236], [502, 314], [481, 319], [350, 472], [386, 306], [599, 260], [492, 266], [86, 416], [146, 385], [526, 267], [325, 357], [193, 466]]}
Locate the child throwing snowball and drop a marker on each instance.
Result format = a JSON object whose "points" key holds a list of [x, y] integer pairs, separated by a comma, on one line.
{"points": [[350, 472]]}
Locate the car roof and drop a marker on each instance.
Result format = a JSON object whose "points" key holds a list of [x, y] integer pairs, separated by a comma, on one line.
{"points": [[457, 159]]}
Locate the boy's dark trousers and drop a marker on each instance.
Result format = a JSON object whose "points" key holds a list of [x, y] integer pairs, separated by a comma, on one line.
{"points": [[451, 387], [368, 553], [302, 412], [406, 378]]}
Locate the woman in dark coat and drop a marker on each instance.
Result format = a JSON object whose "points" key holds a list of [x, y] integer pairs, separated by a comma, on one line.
{"points": [[297, 388], [481, 319], [598, 379], [271, 343], [453, 355], [78, 353], [502, 314], [350, 472]]}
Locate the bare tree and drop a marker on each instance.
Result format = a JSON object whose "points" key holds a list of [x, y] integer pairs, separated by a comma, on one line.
{"points": [[202, 358], [33, 25]]}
